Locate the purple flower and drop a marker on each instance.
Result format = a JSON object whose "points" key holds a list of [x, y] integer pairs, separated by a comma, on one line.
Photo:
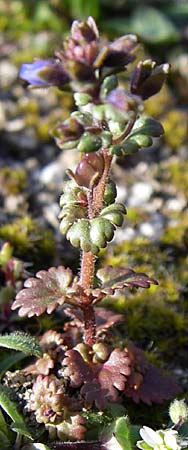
{"points": [[122, 99], [47, 72]]}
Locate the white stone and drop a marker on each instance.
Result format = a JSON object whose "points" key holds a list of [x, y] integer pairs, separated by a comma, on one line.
{"points": [[176, 204], [8, 73], [140, 194]]}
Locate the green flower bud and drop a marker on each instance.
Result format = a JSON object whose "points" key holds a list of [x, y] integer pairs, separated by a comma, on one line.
{"points": [[101, 352], [82, 99], [89, 143], [178, 410], [110, 193], [84, 350]]}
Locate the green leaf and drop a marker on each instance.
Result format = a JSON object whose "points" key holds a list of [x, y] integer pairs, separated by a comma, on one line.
{"points": [[10, 361], [20, 428], [114, 213], [134, 434], [145, 128], [122, 433], [81, 9], [9, 406], [22, 342], [5, 443], [3, 425], [153, 26]]}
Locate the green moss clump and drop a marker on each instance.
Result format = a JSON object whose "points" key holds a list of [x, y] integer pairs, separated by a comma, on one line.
{"points": [[155, 317], [175, 126], [13, 180], [31, 242], [155, 107], [177, 174]]}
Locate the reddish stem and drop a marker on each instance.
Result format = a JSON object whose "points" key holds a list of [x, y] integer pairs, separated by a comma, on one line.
{"points": [[95, 202], [127, 130]]}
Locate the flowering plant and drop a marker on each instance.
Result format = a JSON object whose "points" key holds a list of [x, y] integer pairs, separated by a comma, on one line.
{"points": [[79, 371]]}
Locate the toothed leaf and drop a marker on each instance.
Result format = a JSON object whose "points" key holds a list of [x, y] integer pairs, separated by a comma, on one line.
{"points": [[91, 235], [114, 213], [49, 289], [114, 278], [141, 135], [100, 382], [146, 382]]}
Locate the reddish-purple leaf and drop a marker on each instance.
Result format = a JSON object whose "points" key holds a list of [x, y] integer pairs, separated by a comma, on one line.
{"points": [[105, 319], [114, 372], [146, 382], [45, 292], [77, 370], [99, 382], [114, 278]]}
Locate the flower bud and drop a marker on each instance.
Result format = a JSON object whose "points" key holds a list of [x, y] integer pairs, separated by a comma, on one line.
{"points": [[101, 352], [42, 73], [178, 410], [89, 169], [148, 78]]}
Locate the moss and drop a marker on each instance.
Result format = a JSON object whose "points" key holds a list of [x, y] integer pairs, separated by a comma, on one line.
{"points": [[177, 174], [30, 241], [156, 316], [175, 126], [13, 180], [155, 106]]}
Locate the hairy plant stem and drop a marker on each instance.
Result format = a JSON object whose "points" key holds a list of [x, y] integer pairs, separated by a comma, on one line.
{"points": [[95, 203]]}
